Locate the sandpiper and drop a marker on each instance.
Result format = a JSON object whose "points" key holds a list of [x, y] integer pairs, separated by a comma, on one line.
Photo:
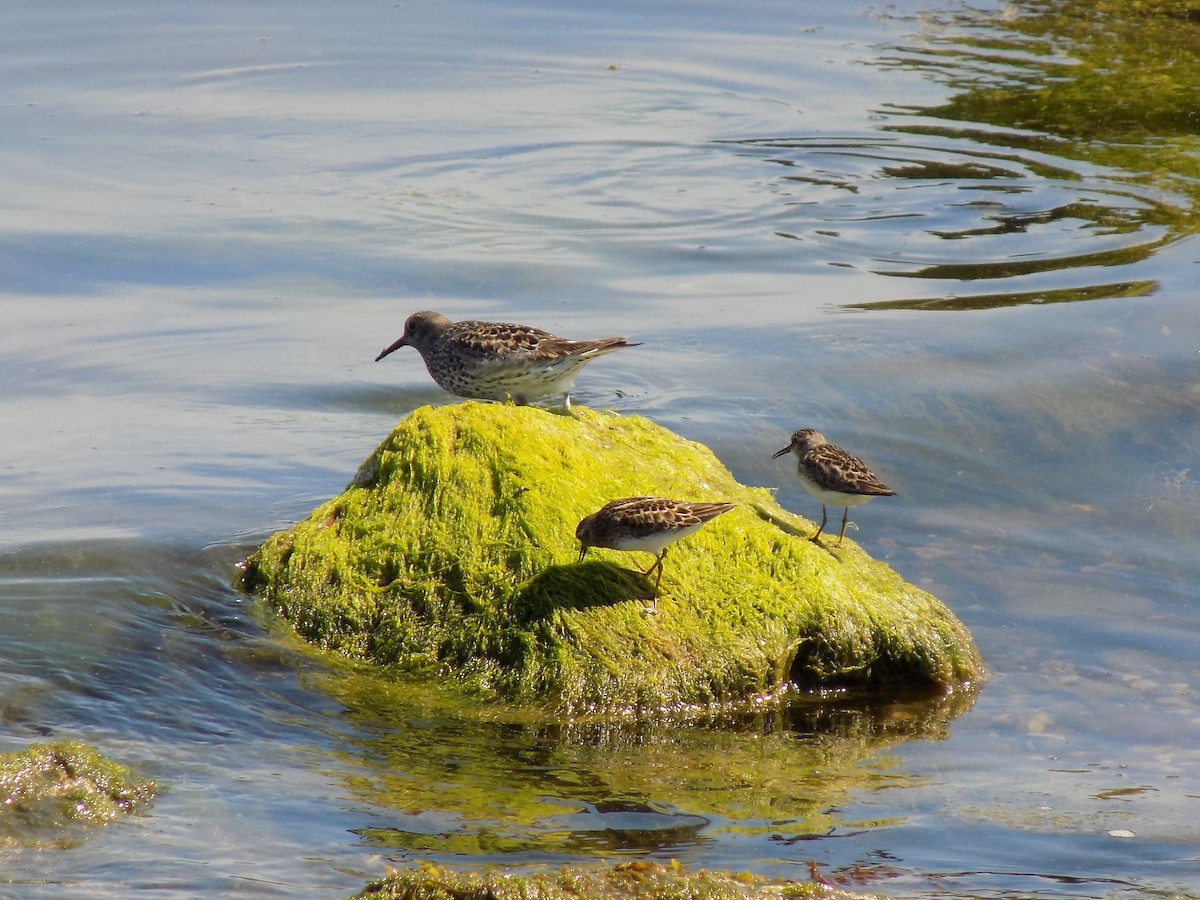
{"points": [[832, 475], [649, 524], [498, 360]]}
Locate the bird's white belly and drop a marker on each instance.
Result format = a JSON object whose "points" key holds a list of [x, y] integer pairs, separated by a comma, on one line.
{"points": [[832, 498], [497, 380], [654, 543]]}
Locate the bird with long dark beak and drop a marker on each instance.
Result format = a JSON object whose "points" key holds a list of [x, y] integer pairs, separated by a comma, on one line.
{"points": [[499, 360], [833, 476], [649, 524]]}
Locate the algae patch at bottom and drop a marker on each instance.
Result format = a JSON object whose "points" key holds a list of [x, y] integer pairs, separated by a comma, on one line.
{"points": [[628, 880], [452, 554], [48, 787]]}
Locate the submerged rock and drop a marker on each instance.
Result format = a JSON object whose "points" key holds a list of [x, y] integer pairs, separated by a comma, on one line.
{"points": [[452, 554], [628, 881], [48, 787]]}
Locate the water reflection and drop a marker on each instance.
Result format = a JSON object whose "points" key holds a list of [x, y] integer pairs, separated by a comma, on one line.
{"points": [[1017, 298], [965, 206], [1110, 112], [464, 780]]}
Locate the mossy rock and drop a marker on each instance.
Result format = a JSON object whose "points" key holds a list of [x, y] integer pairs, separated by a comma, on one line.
{"points": [[628, 881], [49, 787], [452, 554]]}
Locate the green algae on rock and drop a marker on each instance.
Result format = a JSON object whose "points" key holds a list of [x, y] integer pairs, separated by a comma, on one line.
{"points": [[628, 880], [452, 554], [47, 787]]}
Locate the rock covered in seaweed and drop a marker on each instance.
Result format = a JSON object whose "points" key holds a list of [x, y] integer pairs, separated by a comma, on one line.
{"points": [[452, 554], [46, 788], [640, 880]]}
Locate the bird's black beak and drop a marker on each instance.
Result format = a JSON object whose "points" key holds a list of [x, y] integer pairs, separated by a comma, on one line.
{"points": [[399, 342], [786, 449]]}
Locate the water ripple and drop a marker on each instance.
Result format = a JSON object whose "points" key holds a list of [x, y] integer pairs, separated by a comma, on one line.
{"points": [[925, 201], [956, 208]]}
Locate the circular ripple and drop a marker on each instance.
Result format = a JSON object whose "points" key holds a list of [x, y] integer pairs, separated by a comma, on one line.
{"points": [[953, 207]]}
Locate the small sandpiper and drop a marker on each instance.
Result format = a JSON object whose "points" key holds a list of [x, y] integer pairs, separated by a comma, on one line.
{"points": [[649, 524], [833, 476], [498, 360]]}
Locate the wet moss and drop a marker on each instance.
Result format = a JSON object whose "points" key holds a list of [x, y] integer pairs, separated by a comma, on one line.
{"points": [[629, 880], [452, 555], [48, 787]]}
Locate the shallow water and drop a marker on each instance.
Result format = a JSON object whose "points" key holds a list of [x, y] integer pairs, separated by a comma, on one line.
{"points": [[216, 216]]}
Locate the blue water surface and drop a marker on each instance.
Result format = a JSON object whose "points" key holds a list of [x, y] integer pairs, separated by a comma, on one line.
{"points": [[216, 214]]}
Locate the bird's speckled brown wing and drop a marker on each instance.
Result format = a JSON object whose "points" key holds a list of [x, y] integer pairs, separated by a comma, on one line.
{"points": [[504, 340], [496, 340], [654, 514], [833, 469]]}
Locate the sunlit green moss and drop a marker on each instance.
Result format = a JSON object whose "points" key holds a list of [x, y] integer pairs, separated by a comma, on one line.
{"points": [[630, 880], [48, 787], [452, 554]]}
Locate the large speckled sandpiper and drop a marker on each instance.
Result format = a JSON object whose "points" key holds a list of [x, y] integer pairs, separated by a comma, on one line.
{"points": [[649, 524], [498, 360], [832, 475]]}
